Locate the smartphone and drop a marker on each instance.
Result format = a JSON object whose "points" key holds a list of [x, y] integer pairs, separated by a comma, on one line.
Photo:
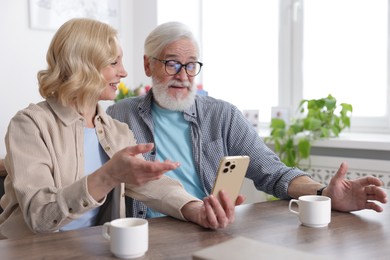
{"points": [[230, 175]]}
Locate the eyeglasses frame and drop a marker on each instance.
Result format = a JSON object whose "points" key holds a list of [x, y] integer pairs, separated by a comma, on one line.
{"points": [[181, 66]]}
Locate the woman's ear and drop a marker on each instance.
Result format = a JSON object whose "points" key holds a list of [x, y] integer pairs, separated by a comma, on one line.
{"points": [[147, 66]]}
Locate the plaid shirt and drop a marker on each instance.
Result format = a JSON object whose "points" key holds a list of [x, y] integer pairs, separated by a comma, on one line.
{"points": [[217, 129]]}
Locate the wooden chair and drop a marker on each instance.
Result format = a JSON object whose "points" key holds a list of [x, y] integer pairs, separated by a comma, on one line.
{"points": [[3, 173]]}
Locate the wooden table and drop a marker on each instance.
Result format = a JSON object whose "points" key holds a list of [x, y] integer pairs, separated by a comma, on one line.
{"points": [[359, 235]]}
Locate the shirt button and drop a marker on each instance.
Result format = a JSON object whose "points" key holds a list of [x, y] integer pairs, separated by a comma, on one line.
{"points": [[55, 221], [85, 203], [70, 210], [100, 131], [107, 148]]}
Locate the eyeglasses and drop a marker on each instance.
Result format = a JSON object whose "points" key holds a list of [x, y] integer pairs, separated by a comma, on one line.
{"points": [[173, 67]]}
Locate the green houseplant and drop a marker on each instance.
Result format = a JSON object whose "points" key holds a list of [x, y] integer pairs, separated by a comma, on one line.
{"points": [[125, 92], [316, 119]]}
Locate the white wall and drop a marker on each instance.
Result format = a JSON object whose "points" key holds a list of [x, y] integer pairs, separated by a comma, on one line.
{"points": [[23, 53]]}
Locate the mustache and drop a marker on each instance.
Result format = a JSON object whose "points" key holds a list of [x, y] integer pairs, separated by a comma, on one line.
{"points": [[185, 84]]}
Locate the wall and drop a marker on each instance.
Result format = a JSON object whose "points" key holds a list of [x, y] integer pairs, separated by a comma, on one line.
{"points": [[23, 53], [322, 168]]}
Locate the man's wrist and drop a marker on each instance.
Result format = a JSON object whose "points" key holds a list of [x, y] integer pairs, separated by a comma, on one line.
{"points": [[191, 211], [321, 190]]}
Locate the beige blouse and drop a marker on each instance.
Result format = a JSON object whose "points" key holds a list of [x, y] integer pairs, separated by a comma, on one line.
{"points": [[46, 188]]}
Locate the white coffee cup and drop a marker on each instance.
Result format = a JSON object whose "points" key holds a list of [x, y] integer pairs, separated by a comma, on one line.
{"points": [[129, 237], [313, 210]]}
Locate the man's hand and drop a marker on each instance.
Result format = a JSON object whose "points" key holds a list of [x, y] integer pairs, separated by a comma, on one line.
{"points": [[351, 195], [211, 213]]}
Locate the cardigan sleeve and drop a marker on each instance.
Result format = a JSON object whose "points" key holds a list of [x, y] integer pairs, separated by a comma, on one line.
{"points": [[43, 176], [165, 195]]}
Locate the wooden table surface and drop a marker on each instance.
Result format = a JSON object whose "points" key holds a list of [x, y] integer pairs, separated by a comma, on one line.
{"points": [[359, 235]]}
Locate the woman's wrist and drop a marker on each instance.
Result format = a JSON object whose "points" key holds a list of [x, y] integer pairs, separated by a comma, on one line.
{"points": [[100, 183]]}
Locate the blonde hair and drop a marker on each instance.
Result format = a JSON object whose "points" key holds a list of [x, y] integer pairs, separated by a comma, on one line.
{"points": [[78, 52]]}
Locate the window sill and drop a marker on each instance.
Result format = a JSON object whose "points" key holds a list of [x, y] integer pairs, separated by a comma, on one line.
{"points": [[358, 141], [361, 141]]}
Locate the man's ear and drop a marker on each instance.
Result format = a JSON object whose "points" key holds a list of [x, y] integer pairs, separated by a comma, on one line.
{"points": [[148, 70]]}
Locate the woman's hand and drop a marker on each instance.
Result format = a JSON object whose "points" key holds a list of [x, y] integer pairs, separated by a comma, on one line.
{"points": [[129, 167], [126, 166]]}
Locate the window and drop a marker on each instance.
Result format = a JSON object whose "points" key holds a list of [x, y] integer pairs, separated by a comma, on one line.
{"points": [[187, 12], [173, 10], [345, 53], [239, 47], [260, 54], [240, 53]]}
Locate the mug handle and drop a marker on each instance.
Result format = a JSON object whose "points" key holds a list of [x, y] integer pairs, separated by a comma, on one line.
{"points": [[290, 204], [106, 230]]}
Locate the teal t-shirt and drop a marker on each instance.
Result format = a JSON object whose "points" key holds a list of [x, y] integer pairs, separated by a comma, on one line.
{"points": [[173, 142]]}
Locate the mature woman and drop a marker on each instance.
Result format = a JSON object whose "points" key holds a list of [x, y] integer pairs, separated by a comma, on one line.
{"points": [[67, 160]]}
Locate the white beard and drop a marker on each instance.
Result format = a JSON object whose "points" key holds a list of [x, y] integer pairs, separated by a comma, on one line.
{"points": [[176, 103]]}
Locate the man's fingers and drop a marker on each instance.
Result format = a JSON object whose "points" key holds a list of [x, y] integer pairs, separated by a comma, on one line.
{"points": [[375, 193], [370, 180], [211, 218], [342, 171], [240, 199], [224, 198], [373, 206]]}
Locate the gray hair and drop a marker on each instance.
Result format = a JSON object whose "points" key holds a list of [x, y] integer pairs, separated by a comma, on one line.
{"points": [[165, 34]]}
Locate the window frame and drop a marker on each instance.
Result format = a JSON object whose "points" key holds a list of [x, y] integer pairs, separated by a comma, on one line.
{"points": [[291, 77], [290, 70]]}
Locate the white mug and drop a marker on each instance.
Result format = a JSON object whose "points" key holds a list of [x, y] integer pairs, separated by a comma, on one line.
{"points": [[129, 237], [313, 210]]}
